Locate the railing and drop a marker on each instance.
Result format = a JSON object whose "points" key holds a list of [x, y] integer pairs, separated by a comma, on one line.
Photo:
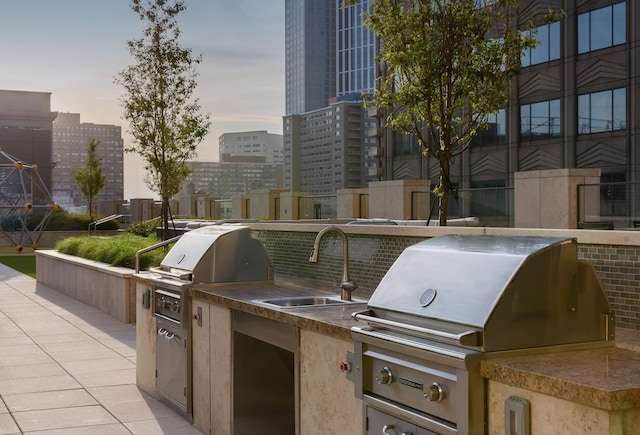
{"points": [[153, 248], [318, 207], [609, 205], [105, 219], [493, 206]]}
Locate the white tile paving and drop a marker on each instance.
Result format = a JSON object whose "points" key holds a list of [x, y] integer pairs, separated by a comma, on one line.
{"points": [[67, 368]]}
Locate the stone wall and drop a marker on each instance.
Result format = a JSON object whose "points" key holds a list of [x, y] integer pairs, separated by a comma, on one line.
{"points": [[106, 288]]}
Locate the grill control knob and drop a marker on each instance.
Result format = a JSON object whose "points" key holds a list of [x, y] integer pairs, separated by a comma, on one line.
{"points": [[385, 377], [435, 393], [161, 302]]}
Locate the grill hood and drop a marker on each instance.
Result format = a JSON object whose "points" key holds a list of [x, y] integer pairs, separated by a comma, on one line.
{"points": [[217, 253], [500, 292]]}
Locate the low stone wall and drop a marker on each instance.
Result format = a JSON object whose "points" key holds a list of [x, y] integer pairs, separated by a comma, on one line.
{"points": [[106, 288]]}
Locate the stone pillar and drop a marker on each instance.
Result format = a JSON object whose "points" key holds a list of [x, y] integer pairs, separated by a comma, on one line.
{"points": [[141, 209], [290, 205], [399, 199], [549, 199], [353, 203]]}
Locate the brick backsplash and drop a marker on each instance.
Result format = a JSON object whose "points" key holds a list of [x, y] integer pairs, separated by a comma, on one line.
{"points": [[370, 257]]}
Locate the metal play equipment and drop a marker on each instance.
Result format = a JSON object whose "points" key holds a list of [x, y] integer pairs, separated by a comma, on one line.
{"points": [[23, 195]]}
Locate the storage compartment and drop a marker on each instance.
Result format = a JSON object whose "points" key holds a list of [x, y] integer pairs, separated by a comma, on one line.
{"points": [[265, 376], [173, 360]]}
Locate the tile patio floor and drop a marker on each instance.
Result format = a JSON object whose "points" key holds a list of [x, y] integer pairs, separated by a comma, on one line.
{"points": [[67, 368]]}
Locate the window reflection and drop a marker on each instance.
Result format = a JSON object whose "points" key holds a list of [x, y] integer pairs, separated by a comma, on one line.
{"points": [[540, 120], [602, 111], [549, 47], [495, 132], [602, 28]]}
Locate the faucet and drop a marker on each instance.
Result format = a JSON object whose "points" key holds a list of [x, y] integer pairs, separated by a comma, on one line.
{"points": [[347, 285]]}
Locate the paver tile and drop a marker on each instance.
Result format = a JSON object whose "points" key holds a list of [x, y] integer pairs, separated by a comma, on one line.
{"points": [[60, 418], [48, 400]]}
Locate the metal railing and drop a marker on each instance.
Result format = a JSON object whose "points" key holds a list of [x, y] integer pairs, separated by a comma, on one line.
{"points": [[153, 248], [609, 205], [104, 220]]}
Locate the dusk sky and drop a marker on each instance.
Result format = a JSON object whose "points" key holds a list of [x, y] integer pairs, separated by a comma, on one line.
{"points": [[74, 49]]}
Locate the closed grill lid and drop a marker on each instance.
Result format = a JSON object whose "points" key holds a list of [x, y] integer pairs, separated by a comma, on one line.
{"points": [[532, 288]]}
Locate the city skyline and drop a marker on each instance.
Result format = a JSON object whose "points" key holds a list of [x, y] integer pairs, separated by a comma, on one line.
{"points": [[74, 49]]}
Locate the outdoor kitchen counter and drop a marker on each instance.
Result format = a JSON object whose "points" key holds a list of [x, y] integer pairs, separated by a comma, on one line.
{"points": [[333, 321], [597, 388]]}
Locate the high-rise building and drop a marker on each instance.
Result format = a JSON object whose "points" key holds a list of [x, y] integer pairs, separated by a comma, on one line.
{"points": [[310, 54], [70, 141], [326, 149], [325, 145], [232, 178], [355, 51], [26, 129], [251, 144], [574, 105]]}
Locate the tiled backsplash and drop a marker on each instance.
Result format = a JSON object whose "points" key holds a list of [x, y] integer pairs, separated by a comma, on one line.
{"points": [[619, 271], [370, 256]]}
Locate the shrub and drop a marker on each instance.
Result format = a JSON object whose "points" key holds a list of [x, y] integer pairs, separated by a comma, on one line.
{"points": [[144, 229], [116, 250], [62, 220]]}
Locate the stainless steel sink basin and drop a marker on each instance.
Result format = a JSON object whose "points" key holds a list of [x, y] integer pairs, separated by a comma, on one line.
{"points": [[305, 301]]}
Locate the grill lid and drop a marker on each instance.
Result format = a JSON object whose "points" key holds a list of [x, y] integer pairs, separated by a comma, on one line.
{"points": [[217, 253], [533, 289]]}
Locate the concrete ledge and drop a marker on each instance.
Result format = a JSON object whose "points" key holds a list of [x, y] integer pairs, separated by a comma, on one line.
{"points": [[106, 288]]}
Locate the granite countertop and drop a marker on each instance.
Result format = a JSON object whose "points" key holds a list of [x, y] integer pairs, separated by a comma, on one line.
{"points": [[607, 378], [334, 321]]}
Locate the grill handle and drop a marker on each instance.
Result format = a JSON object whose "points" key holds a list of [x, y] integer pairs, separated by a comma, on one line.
{"points": [[466, 338]]}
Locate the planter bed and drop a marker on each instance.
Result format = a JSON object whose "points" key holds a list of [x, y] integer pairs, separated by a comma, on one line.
{"points": [[109, 289]]}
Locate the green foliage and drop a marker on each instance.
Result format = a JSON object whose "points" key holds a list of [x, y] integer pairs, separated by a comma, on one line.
{"points": [[90, 178], [164, 118], [447, 66], [62, 220], [144, 229], [116, 250]]}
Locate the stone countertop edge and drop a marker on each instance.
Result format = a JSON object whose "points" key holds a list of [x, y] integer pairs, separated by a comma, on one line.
{"points": [[333, 321], [607, 378]]}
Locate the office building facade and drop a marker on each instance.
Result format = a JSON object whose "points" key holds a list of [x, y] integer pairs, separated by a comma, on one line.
{"points": [[572, 106], [224, 180], [251, 144], [310, 47], [70, 141], [327, 149], [325, 143], [26, 129]]}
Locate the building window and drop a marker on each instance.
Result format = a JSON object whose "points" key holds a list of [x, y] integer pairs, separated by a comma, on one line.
{"points": [[495, 132], [540, 120], [549, 47], [602, 111], [602, 28]]}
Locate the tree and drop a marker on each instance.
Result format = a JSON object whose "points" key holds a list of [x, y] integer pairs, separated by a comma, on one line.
{"points": [[164, 118], [90, 178], [447, 66]]}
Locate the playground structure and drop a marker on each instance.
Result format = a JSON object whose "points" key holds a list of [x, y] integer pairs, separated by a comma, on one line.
{"points": [[23, 196]]}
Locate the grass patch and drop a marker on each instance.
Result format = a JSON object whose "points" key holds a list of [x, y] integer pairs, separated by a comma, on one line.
{"points": [[22, 263]]}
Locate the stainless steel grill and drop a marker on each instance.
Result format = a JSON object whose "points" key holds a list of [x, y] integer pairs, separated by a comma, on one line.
{"points": [[450, 301], [210, 254]]}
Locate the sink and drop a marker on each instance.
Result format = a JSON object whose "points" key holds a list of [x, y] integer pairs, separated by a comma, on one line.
{"points": [[306, 301]]}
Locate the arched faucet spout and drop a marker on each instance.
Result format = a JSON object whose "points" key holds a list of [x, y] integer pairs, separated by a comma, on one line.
{"points": [[347, 285]]}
